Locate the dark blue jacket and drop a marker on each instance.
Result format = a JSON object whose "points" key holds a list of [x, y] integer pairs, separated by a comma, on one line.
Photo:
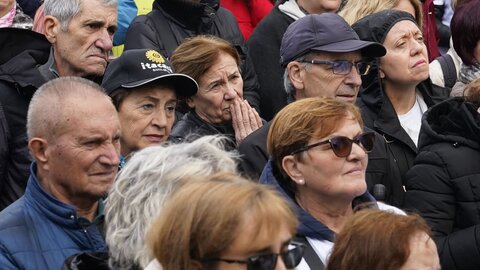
{"points": [[309, 226], [39, 232]]}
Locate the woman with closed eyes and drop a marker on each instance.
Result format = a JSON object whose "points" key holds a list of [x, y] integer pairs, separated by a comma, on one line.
{"points": [[318, 160]]}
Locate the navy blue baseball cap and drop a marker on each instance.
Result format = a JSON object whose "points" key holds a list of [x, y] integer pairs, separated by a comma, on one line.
{"points": [[327, 32], [138, 67]]}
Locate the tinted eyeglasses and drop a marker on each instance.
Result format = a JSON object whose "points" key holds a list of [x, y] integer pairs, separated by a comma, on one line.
{"points": [[344, 67], [342, 146], [268, 261]]}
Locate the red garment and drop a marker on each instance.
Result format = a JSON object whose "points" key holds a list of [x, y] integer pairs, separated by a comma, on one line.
{"points": [[248, 13], [430, 33]]}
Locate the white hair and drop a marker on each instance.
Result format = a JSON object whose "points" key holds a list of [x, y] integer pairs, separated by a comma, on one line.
{"points": [[146, 182]]}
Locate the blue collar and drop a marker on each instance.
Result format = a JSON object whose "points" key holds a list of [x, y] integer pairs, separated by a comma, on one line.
{"points": [[309, 226], [52, 208]]}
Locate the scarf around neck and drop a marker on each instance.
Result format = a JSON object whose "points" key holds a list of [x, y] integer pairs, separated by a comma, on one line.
{"points": [[469, 73]]}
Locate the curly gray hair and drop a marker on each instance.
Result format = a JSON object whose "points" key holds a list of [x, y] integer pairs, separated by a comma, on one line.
{"points": [[146, 182]]}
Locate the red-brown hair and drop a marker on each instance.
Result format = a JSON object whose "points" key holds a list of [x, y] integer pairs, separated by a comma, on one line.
{"points": [[375, 240]]}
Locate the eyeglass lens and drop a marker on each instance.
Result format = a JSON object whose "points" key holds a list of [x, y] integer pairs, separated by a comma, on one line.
{"points": [[344, 67], [342, 146], [291, 258]]}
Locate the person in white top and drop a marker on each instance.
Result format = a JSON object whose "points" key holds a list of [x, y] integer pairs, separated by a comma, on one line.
{"points": [[397, 91]]}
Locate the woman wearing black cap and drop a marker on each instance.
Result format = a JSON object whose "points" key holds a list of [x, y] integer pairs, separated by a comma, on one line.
{"points": [[145, 90], [395, 97]]}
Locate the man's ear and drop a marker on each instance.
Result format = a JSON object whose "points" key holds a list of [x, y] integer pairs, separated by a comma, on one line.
{"points": [[290, 166], [190, 102], [295, 70], [52, 28], [39, 149]]}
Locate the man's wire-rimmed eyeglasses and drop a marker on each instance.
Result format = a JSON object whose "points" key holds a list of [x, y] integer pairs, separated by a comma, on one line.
{"points": [[343, 67]]}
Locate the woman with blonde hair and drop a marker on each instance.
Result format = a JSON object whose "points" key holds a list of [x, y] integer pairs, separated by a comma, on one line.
{"points": [[225, 222], [354, 10]]}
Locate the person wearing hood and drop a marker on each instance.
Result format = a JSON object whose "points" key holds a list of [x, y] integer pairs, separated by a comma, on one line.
{"points": [[171, 21], [397, 91], [318, 162], [444, 184]]}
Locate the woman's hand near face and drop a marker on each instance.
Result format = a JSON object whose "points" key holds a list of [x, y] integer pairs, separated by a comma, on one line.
{"points": [[245, 119]]}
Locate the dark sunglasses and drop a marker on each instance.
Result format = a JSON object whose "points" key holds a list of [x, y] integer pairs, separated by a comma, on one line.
{"points": [[344, 67], [268, 261], [342, 146]]}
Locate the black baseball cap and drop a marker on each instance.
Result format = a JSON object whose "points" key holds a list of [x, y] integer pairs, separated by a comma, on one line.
{"points": [[135, 68], [326, 32]]}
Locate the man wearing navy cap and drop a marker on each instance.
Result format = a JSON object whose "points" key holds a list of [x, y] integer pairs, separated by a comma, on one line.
{"points": [[324, 57], [145, 89]]}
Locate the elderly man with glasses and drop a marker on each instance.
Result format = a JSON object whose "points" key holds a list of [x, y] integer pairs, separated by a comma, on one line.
{"points": [[324, 57]]}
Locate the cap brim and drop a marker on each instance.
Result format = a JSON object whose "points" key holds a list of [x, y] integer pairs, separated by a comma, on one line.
{"points": [[184, 85], [367, 48]]}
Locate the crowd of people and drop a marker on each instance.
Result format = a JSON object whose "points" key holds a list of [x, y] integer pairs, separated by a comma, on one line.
{"points": [[221, 134]]}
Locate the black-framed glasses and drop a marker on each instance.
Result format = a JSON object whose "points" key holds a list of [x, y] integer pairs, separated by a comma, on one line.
{"points": [[342, 146], [268, 261], [344, 67]]}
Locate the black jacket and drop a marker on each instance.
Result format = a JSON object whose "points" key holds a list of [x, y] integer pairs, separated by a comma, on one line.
{"points": [[171, 21], [19, 78], [444, 183], [381, 170], [264, 49], [192, 127], [378, 114]]}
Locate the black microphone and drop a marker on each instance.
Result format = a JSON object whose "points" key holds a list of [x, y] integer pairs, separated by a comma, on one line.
{"points": [[379, 191]]}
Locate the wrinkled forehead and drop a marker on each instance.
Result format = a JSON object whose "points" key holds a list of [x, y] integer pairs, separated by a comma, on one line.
{"points": [[403, 28], [77, 114]]}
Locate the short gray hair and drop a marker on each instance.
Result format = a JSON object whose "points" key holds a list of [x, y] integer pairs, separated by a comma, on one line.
{"points": [[64, 10], [50, 101], [287, 83], [146, 182]]}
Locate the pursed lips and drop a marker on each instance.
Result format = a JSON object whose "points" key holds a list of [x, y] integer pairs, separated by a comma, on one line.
{"points": [[103, 56], [348, 96], [419, 62], [154, 137], [105, 173], [356, 169]]}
